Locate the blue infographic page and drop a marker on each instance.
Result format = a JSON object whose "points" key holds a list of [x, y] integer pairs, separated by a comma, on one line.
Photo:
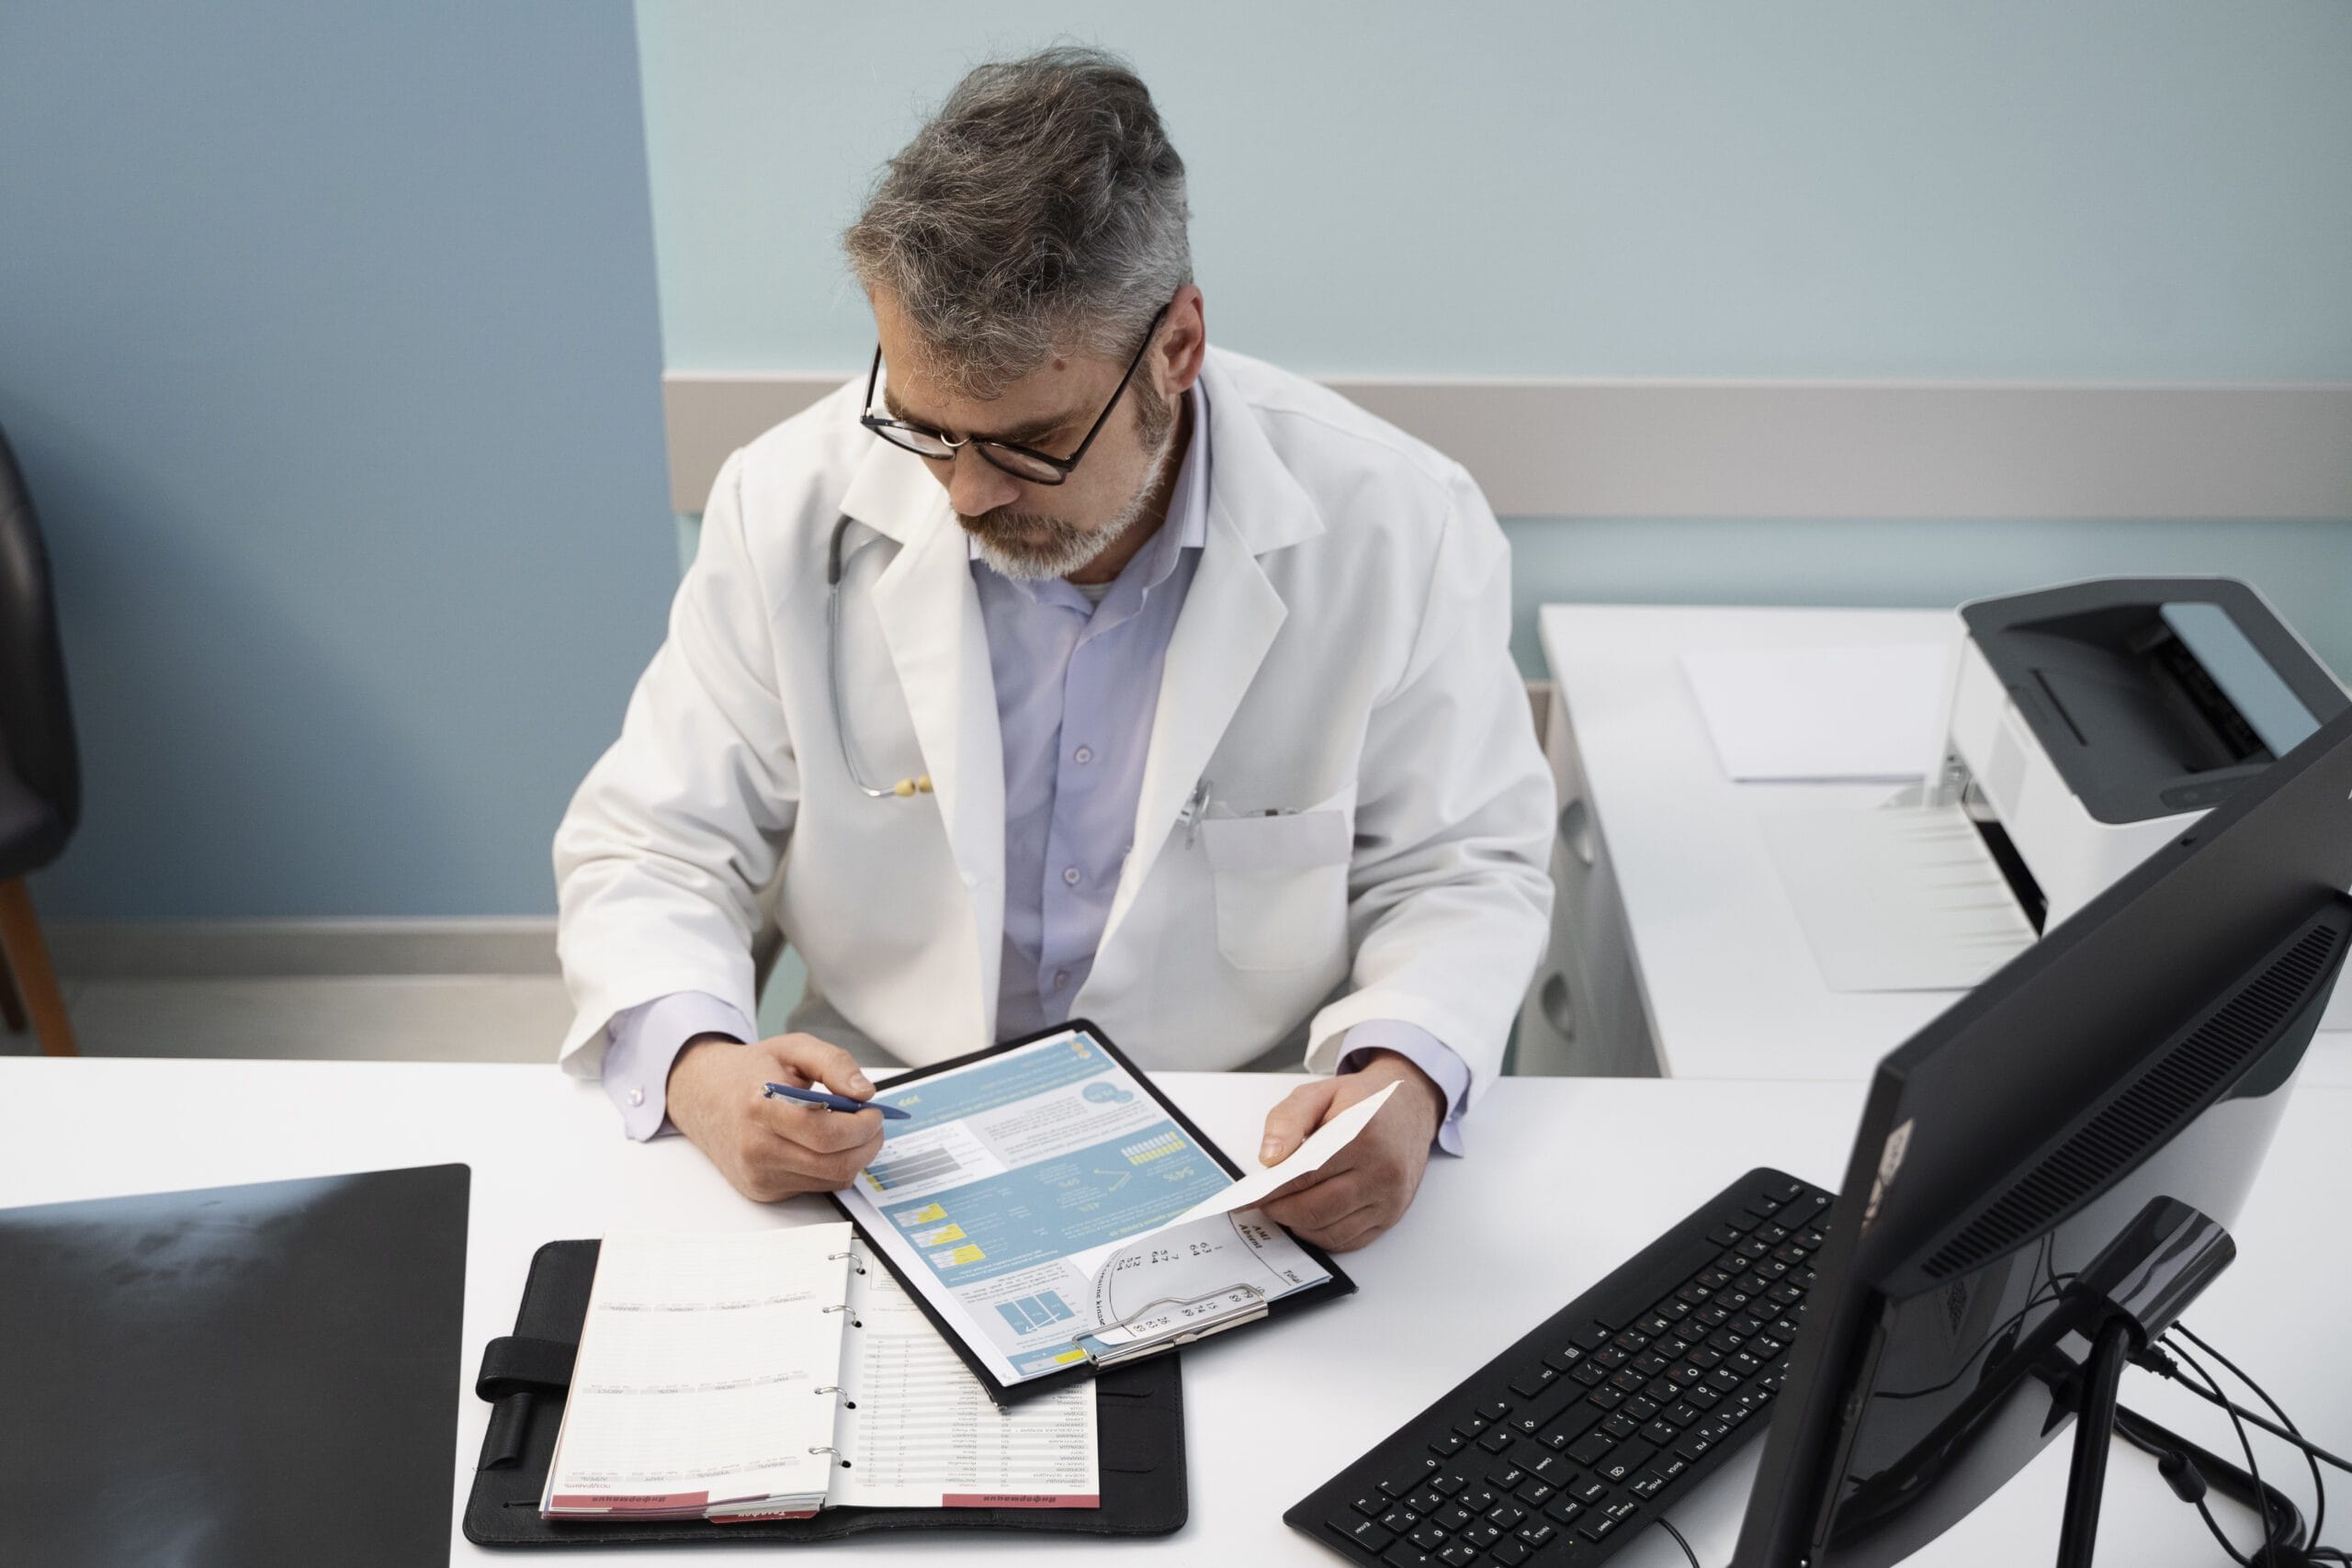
{"points": [[1030, 1197]]}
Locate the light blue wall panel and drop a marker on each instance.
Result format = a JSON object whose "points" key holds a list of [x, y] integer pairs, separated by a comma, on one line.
{"points": [[2092, 189], [2097, 190], [328, 342]]}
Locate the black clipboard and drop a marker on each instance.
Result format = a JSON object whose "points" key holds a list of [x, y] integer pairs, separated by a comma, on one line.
{"points": [[1338, 1285]]}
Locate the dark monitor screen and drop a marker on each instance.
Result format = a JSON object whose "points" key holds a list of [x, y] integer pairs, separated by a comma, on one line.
{"points": [[2140, 1054], [243, 1376]]}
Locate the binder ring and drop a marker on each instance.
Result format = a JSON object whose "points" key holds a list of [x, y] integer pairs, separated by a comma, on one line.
{"points": [[829, 1448], [854, 1322], [855, 1267], [828, 1388]]}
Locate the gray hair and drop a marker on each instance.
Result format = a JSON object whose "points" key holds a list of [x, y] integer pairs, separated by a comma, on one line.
{"points": [[1041, 210]]}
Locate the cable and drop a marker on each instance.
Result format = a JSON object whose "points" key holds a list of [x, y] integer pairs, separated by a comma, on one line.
{"points": [[2160, 1364], [1667, 1525], [2319, 1483], [2270, 1527]]}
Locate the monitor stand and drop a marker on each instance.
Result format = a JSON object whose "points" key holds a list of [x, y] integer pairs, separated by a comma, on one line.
{"points": [[2131, 1294]]}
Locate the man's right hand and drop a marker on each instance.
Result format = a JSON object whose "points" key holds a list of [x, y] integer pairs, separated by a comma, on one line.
{"points": [[772, 1148]]}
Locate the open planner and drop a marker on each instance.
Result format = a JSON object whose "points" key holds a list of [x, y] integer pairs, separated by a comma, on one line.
{"points": [[769, 1374], [1054, 1214]]}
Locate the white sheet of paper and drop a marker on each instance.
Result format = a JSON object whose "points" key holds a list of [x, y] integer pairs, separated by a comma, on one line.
{"points": [[1809, 713], [1896, 900], [1312, 1155]]}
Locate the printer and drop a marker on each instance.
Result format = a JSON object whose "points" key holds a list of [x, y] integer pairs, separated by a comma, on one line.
{"points": [[2090, 724]]}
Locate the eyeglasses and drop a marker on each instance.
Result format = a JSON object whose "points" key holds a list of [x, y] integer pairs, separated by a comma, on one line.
{"points": [[1021, 462]]}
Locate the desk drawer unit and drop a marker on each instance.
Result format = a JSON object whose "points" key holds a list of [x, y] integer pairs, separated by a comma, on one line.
{"points": [[1584, 1014]]}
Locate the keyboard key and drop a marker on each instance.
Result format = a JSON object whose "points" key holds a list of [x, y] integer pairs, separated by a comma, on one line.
{"points": [[1658, 1391], [1478, 1499], [1427, 1536], [1625, 1461], [1471, 1426], [1597, 1526], [1449, 1445], [1400, 1521], [1535, 1533], [1497, 1439], [1725, 1235], [1588, 1448], [1410, 1479], [1505, 1515], [1425, 1502], [1453, 1516], [1622, 1510], [1590, 1373], [1641, 1409], [1405, 1554], [1610, 1357], [1532, 1381], [1480, 1536], [1509, 1552], [1589, 1490], [1604, 1398], [1506, 1476], [1457, 1554], [1494, 1409], [1629, 1340], [1723, 1378], [1763, 1208], [1617, 1425], [1660, 1435], [1693, 1447], [1655, 1323], [1702, 1396], [1592, 1337], [1366, 1533], [1536, 1494], [1646, 1484], [1563, 1509], [1565, 1357], [1572, 1423], [1680, 1414]]}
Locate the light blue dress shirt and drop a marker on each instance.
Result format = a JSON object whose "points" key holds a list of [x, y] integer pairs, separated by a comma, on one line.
{"points": [[1077, 684]]}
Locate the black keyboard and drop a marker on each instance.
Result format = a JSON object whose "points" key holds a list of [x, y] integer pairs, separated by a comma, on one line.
{"points": [[1560, 1449]]}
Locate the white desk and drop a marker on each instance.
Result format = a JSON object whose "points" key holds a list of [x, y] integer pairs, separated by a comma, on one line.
{"points": [[1587, 1166], [1676, 929]]}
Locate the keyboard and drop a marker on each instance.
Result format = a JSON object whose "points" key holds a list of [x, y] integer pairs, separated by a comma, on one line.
{"points": [[1558, 1451]]}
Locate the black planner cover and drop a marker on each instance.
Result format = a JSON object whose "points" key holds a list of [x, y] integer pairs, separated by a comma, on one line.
{"points": [[1140, 1423], [1338, 1285]]}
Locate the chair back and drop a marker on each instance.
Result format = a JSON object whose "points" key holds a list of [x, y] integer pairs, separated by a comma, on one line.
{"points": [[36, 722]]}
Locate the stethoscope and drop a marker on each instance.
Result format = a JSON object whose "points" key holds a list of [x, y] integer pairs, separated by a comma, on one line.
{"points": [[905, 788]]}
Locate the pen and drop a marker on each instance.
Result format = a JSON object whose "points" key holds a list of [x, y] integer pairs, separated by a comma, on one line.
{"points": [[824, 1102]]}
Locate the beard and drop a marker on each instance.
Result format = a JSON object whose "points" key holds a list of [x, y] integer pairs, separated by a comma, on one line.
{"points": [[1032, 546]]}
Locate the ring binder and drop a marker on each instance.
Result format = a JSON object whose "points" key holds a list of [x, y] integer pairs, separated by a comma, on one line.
{"points": [[829, 1448], [855, 1267], [855, 1322]]}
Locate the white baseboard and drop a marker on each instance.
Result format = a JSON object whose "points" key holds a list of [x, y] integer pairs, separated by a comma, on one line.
{"points": [[204, 950]]}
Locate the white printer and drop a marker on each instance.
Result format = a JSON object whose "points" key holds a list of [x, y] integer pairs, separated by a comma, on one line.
{"points": [[2091, 723]]}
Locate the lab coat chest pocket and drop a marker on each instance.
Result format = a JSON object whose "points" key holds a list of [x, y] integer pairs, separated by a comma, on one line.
{"points": [[1282, 884]]}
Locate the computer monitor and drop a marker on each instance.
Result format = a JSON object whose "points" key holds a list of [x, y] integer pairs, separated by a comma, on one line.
{"points": [[2046, 1173]]}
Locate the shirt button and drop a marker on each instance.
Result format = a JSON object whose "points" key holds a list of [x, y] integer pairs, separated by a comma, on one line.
{"points": [[1084, 754], [1069, 876], [636, 1097], [1061, 978]]}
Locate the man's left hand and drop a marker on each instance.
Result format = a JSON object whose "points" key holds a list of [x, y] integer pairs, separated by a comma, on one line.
{"points": [[1368, 1185]]}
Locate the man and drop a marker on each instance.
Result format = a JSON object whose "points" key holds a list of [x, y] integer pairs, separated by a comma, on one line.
{"points": [[1066, 667]]}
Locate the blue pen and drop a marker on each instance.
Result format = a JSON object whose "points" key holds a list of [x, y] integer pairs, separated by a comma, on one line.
{"points": [[824, 1102]]}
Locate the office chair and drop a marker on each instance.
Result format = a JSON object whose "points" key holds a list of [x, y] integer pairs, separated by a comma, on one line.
{"points": [[41, 774]]}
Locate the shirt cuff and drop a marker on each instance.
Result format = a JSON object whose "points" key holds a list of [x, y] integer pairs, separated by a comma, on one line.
{"points": [[1426, 1051], [644, 1040]]}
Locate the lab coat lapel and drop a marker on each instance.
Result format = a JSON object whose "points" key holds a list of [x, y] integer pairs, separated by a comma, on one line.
{"points": [[1231, 614], [930, 615]]}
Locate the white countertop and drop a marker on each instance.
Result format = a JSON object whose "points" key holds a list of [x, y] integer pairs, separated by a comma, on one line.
{"points": [[1731, 987], [1567, 1178]]}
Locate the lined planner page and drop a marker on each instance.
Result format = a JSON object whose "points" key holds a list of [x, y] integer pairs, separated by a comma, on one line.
{"points": [[921, 1432], [704, 1373]]}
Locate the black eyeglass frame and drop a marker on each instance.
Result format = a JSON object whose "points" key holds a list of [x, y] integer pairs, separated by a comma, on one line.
{"points": [[1061, 467]]}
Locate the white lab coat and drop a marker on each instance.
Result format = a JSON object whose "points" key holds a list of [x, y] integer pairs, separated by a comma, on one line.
{"points": [[1340, 661]]}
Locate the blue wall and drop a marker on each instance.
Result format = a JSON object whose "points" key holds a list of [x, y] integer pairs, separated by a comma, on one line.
{"points": [[2099, 189], [328, 344]]}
